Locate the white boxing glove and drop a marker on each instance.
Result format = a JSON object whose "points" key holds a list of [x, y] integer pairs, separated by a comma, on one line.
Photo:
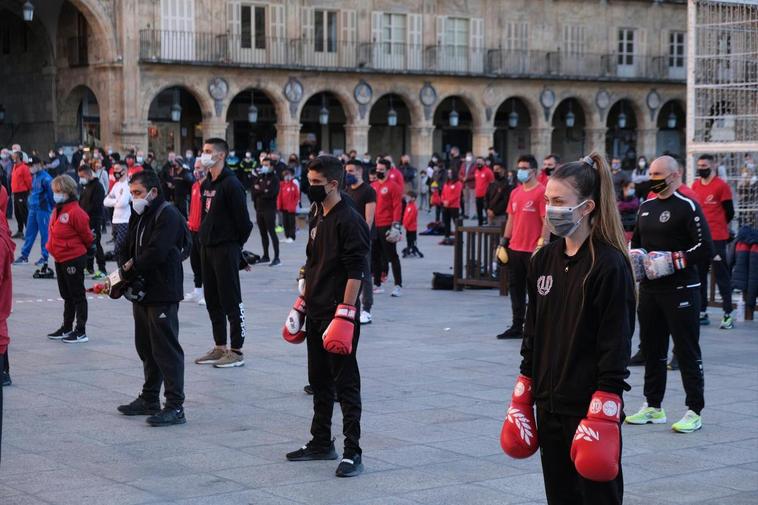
{"points": [[394, 234], [662, 263], [637, 257]]}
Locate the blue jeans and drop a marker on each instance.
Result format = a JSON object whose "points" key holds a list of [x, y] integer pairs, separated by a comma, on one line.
{"points": [[38, 221]]}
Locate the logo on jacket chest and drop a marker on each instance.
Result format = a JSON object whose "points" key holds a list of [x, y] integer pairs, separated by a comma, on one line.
{"points": [[544, 284], [384, 190], [63, 218], [665, 216]]}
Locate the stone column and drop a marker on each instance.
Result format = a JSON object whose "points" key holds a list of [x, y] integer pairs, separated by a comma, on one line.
{"points": [[647, 143], [595, 140], [214, 127], [483, 138], [132, 133], [288, 139], [356, 137], [421, 144], [540, 142]]}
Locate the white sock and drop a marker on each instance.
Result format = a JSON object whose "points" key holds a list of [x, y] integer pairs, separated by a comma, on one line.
{"points": [[198, 292]]}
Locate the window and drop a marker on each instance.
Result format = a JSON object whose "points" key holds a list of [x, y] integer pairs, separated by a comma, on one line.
{"points": [[325, 31], [393, 33], [456, 32], [516, 36], [626, 47], [252, 27], [574, 40], [676, 49]]}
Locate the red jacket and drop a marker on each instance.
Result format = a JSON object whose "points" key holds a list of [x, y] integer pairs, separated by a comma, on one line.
{"points": [[196, 208], [483, 179], [21, 180], [389, 203], [451, 194], [396, 176], [70, 234], [410, 217], [7, 247], [542, 177], [288, 197]]}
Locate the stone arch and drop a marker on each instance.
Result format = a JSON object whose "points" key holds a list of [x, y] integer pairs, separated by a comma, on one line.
{"points": [[477, 113], [664, 109], [202, 98], [348, 105], [101, 23], [68, 110], [412, 104], [590, 120], [636, 108], [272, 90]]}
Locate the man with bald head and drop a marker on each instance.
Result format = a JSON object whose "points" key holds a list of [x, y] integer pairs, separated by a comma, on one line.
{"points": [[670, 238]]}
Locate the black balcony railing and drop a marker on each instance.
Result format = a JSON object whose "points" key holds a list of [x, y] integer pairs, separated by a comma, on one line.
{"points": [[235, 50]]}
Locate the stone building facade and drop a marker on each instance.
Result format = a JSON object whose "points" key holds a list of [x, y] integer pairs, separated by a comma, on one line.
{"points": [[416, 76]]}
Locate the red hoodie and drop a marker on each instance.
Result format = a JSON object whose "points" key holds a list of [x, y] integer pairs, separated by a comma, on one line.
{"points": [[451, 194], [7, 248], [410, 217], [484, 177], [288, 197], [70, 234], [196, 208], [396, 176], [389, 203], [21, 179]]}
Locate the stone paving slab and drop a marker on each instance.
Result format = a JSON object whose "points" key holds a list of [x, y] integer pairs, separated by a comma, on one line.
{"points": [[435, 386]]}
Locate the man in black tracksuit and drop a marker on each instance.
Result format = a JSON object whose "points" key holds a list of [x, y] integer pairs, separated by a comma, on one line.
{"points": [[671, 304], [155, 238], [265, 191], [224, 229], [498, 193], [337, 263], [91, 201]]}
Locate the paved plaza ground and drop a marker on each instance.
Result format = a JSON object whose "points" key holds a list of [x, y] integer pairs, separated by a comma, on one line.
{"points": [[435, 382]]}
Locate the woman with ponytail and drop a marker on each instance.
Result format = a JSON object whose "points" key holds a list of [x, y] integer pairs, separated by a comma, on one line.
{"points": [[577, 341]]}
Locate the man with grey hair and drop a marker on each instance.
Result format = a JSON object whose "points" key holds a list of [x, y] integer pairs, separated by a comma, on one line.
{"points": [[670, 238]]}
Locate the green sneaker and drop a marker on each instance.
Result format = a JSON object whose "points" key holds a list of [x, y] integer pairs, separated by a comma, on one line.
{"points": [[727, 323], [279, 229], [98, 276], [647, 415], [689, 423]]}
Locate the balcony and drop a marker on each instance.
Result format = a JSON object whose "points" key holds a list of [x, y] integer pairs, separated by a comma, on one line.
{"points": [[228, 49]]}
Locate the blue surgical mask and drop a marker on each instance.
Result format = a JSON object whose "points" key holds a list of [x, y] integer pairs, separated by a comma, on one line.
{"points": [[523, 175], [350, 179], [59, 197]]}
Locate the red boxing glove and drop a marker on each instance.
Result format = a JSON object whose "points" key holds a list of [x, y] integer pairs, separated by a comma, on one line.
{"points": [[597, 441], [338, 336], [518, 437], [294, 327]]}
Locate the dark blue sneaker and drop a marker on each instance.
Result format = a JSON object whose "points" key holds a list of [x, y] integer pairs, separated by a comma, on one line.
{"points": [[350, 466], [167, 417], [40, 262], [21, 261]]}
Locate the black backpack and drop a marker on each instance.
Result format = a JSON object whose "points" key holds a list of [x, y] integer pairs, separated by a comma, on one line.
{"points": [[186, 246]]}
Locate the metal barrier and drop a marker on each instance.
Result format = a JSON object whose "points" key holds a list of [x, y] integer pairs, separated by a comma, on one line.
{"points": [[478, 266]]}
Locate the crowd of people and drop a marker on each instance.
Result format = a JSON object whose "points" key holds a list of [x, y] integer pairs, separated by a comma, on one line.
{"points": [[590, 248]]}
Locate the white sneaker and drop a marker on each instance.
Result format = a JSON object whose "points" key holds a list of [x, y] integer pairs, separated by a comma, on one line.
{"points": [[378, 290], [201, 301], [365, 317], [398, 291], [289, 240], [194, 295]]}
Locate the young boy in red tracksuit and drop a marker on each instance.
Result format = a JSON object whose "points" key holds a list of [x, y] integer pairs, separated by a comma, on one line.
{"points": [[410, 223], [193, 223], [286, 202]]}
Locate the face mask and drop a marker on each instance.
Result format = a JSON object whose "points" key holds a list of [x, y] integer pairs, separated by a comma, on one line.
{"points": [[171, 157], [59, 197], [140, 159], [479, 165], [366, 160], [468, 159], [317, 194], [51, 155], [548, 171], [658, 185], [199, 174], [96, 156], [110, 151], [381, 175], [248, 156], [206, 160], [231, 153], [350, 179], [140, 204], [499, 176], [3, 156], [117, 175], [83, 181], [34, 170], [265, 170], [522, 175], [616, 166], [641, 164], [60, 152], [561, 220], [288, 178], [704, 172], [630, 193]]}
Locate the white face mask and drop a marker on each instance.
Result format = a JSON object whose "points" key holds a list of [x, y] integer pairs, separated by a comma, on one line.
{"points": [[469, 159], [206, 160], [83, 181], [641, 164], [59, 197], [139, 205], [140, 159]]}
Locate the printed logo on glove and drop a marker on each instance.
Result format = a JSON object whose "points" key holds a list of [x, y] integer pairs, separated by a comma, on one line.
{"points": [[596, 448], [338, 336], [518, 436], [294, 327]]}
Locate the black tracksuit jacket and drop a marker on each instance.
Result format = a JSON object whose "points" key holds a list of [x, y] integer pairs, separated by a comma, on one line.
{"points": [[264, 196], [225, 218], [91, 201], [337, 250], [579, 326]]}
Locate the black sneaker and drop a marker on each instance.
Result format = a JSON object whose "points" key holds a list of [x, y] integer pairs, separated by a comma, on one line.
{"points": [[7, 379], [310, 453], [167, 417], [674, 363], [350, 467], [140, 407], [59, 334], [308, 389], [275, 262], [76, 337], [265, 259], [512, 332], [638, 359]]}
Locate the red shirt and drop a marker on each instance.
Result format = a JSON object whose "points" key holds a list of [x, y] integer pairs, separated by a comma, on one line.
{"points": [[70, 234], [288, 197], [389, 203], [196, 208], [21, 179], [7, 246], [396, 176], [451, 194], [527, 210], [484, 177], [410, 217], [542, 177], [711, 197]]}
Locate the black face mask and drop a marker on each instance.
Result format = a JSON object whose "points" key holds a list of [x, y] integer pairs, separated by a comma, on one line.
{"points": [[548, 171], [381, 175], [499, 176], [658, 185], [704, 172], [317, 194]]}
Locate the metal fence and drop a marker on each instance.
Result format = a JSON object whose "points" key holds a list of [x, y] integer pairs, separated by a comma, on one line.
{"points": [[237, 50]]}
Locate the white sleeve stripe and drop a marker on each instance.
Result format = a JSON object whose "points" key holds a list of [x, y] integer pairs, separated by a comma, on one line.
{"points": [[688, 200]]}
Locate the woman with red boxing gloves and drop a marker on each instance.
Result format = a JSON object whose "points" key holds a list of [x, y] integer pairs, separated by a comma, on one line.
{"points": [[577, 342]]}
